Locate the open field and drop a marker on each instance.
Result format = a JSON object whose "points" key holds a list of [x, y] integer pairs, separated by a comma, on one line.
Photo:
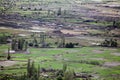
{"points": [[102, 63]]}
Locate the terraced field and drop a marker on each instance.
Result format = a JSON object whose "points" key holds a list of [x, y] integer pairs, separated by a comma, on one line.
{"points": [[85, 22], [101, 63]]}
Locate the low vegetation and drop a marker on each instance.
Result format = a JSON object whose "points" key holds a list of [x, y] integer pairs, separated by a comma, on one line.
{"points": [[85, 61]]}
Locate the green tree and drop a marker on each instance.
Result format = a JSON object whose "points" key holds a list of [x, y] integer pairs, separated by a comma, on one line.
{"points": [[13, 44], [32, 72], [3, 38], [8, 57], [26, 45], [21, 44], [69, 75], [59, 12]]}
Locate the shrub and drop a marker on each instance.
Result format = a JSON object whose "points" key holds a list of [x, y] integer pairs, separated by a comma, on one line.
{"points": [[109, 43], [69, 45], [36, 45], [30, 44]]}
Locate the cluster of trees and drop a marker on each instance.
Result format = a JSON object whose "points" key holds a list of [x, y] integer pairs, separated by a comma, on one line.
{"points": [[34, 43], [37, 44], [71, 45], [110, 43], [19, 44], [42, 43]]}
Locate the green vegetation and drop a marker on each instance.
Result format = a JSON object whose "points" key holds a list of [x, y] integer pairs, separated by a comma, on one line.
{"points": [[35, 74], [73, 41], [3, 38], [110, 43], [5, 5], [88, 60]]}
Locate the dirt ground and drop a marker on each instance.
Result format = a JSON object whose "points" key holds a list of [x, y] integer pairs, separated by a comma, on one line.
{"points": [[73, 32], [97, 51], [111, 64], [7, 63]]}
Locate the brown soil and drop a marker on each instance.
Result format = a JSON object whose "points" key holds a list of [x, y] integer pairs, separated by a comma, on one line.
{"points": [[98, 51]]}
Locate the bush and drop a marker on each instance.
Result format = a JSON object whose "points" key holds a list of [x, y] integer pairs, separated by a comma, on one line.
{"points": [[36, 45], [110, 43], [69, 45], [31, 44]]}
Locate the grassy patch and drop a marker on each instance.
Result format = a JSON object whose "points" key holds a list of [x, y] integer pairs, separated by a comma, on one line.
{"points": [[80, 59]]}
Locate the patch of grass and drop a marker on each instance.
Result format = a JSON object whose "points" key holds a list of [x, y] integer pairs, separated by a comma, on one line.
{"points": [[14, 71], [13, 31], [96, 32], [109, 72], [100, 23], [79, 59], [81, 67], [73, 20]]}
